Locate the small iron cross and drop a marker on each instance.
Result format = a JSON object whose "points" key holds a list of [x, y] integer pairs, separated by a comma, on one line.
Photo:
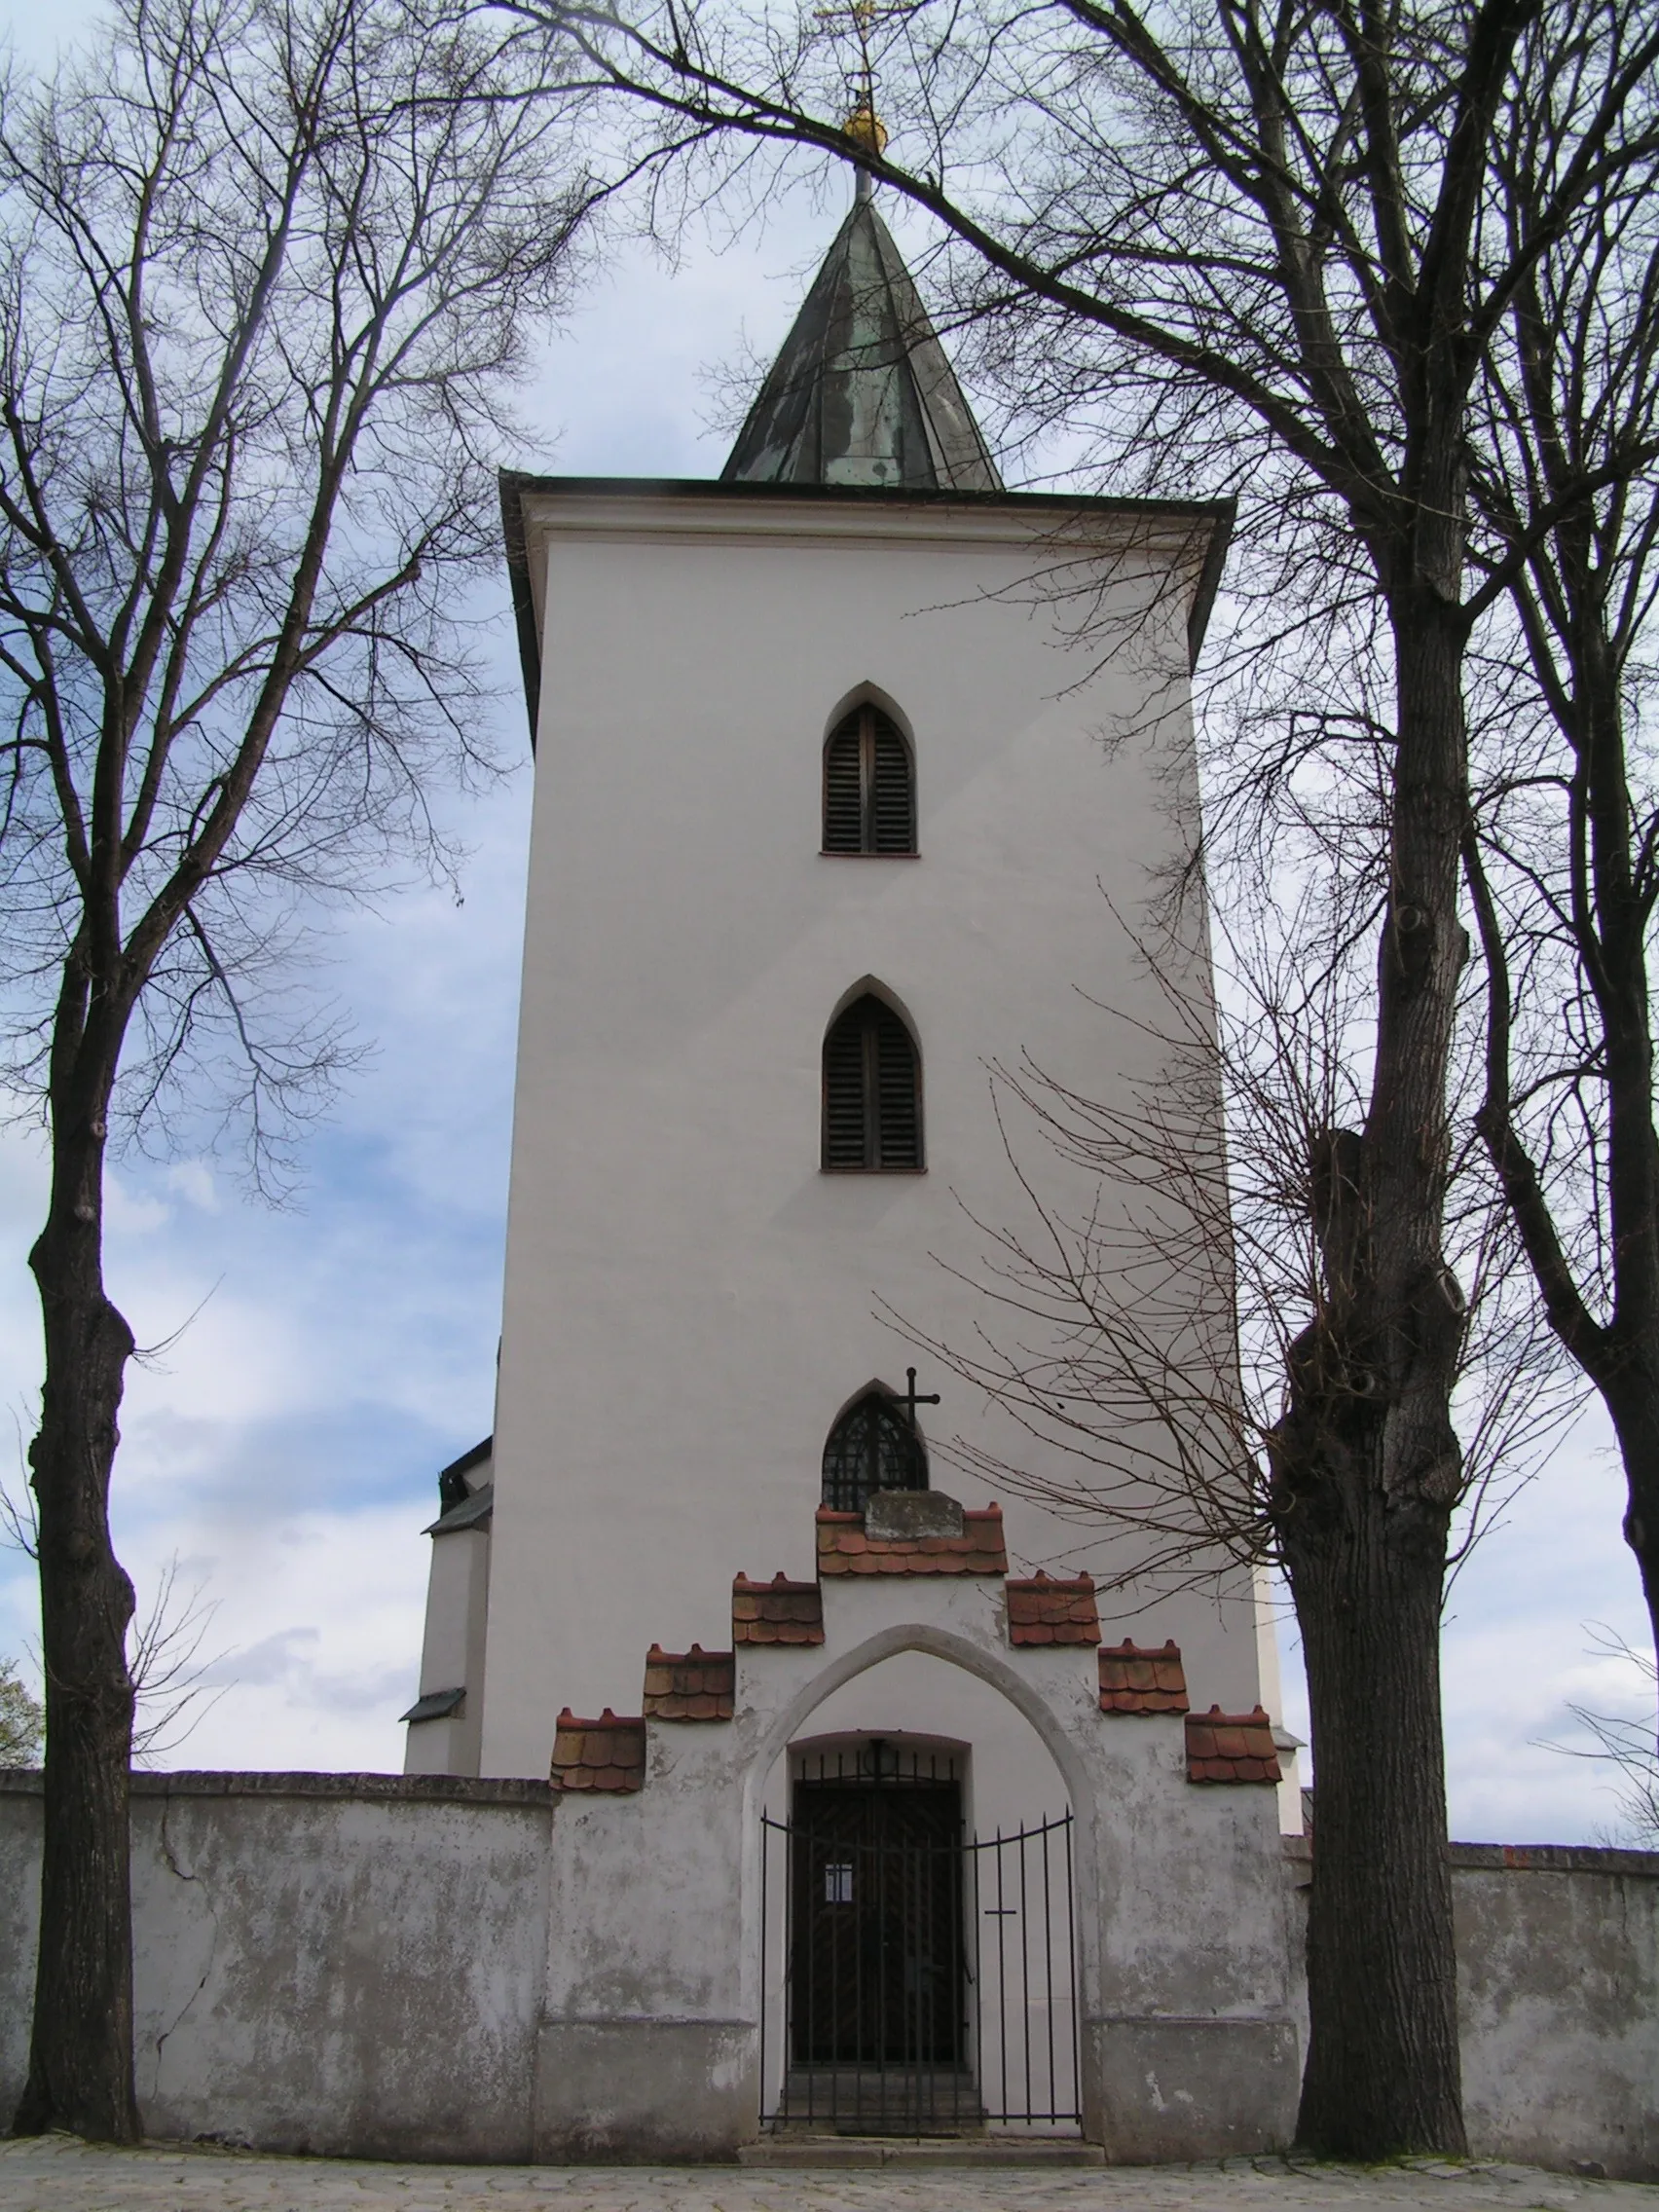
{"points": [[910, 1400]]}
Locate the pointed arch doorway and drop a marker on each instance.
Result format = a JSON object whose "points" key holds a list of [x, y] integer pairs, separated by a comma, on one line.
{"points": [[928, 1974], [878, 1959]]}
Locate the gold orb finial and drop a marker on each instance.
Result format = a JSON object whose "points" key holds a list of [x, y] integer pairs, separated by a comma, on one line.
{"points": [[866, 128]]}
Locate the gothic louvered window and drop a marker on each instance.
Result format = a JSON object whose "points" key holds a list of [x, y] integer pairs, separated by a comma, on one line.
{"points": [[870, 794], [871, 1447], [872, 1093]]}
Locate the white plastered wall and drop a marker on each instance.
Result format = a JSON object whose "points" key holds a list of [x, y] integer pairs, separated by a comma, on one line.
{"points": [[652, 2018], [452, 1653], [688, 1298]]}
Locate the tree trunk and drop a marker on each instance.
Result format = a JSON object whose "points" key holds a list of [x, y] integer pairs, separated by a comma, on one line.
{"points": [[80, 2073], [1367, 1469], [1634, 1402], [1383, 2072]]}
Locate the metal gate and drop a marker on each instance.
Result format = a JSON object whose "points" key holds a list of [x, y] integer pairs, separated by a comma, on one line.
{"points": [[916, 1982]]}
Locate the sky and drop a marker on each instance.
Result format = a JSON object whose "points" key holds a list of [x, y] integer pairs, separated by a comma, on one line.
{"points": [[319, 1364]]}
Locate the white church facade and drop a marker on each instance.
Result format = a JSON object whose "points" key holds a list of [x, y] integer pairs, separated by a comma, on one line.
{"points": [[888, 1803]]}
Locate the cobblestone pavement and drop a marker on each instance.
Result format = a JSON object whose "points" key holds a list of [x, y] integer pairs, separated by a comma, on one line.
{"points": [[57, 2174]]}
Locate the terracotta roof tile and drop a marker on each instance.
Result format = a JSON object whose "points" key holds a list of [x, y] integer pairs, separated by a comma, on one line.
{"points": [[1231, 1747], [844, 1547], [1044, 1612], [605, 1753], [1142, 1679], [689, 1685], [779, 1611]]}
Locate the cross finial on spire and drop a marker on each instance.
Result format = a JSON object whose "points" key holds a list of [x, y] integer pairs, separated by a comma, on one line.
{"points": [[863, 126]]}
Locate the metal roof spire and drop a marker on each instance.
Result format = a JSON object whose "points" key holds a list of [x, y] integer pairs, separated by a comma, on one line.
{"points": [[861, 391]]}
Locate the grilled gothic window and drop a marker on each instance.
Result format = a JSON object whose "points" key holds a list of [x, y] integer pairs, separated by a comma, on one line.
{"points": [[873, 1093], [871, 1447], [869, 793]]}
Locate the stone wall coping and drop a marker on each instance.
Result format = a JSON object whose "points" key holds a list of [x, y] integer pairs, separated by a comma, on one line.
{"points": [[1523, 1858], [1557, 1858], [366, 1789]]}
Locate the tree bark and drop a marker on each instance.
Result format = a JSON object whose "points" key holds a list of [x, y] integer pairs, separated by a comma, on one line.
{"points": [[1383, 2072], [1367, 1470], [80, 2073], [1636, 1421]]}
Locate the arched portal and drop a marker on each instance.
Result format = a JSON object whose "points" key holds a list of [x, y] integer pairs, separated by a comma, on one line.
{"points": [[919, 1864]]}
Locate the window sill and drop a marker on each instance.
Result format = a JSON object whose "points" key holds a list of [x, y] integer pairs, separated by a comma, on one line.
{"points": [[871, 1171], [823, 856]]}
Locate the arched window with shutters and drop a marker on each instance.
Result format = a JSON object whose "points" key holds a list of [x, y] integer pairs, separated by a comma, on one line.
{"points": [[871, 1447], [872, 1089], [870, 785]]}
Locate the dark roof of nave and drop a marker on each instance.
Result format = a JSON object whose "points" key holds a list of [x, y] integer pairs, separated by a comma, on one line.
{"points": [[862, 392]]}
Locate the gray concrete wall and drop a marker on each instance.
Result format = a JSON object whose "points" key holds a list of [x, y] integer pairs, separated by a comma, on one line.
{"points": [[1558, 1997], [329, 1963], [1558, 1953], [359, 1964]]}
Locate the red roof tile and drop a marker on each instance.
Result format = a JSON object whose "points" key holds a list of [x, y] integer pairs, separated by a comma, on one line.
{"points": [[779, 1611], [689, 1685], [843, 1547], [605, 1753], [1231, 1747], [1142, 1679], [1044, 1612]]}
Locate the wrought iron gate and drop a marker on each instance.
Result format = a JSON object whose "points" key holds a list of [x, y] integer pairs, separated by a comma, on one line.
{"points": [[926, 1982]]}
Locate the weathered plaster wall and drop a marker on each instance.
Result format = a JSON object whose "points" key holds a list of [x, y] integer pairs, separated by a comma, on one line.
{"points": [[1558, 1951], [1558, 1970], [426, 1966], [345, 1964]]}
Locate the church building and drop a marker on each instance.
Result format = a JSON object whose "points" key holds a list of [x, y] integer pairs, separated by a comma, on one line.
{"points": [[891, 1798]]}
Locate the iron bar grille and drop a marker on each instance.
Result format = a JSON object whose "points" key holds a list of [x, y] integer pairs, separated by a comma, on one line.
{"points": [[917, 1982], [871, 1447]]}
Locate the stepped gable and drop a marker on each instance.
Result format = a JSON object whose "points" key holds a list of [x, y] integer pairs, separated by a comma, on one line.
{"points": [[846, 1547], [1142, 1679], [779, 1611], [603, 1755], [1042, 1610], [689, 1685], [1231, 1747]]}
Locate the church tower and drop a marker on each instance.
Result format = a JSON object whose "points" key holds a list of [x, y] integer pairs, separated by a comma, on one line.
{"points": [[854, 770], [831, 778]]}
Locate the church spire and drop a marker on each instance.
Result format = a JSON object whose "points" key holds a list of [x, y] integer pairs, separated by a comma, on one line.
{"points": [[861, 391]]}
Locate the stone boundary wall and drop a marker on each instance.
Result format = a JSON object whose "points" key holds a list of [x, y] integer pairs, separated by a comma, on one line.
{"points": [[334, 1962], [356, 1965], [1557, 1971], [1558, 1952]]}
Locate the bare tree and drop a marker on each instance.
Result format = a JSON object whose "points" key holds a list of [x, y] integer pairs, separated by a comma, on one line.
{"points": [[1562, 851], [1219, 226], [173, 1680], [1625, 1741], [22, 1719], [1139, 1320], [265, 268]]}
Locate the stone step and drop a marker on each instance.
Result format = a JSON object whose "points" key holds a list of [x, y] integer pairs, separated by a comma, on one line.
{"points": [[1041, 2153], [894, 2100]]}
